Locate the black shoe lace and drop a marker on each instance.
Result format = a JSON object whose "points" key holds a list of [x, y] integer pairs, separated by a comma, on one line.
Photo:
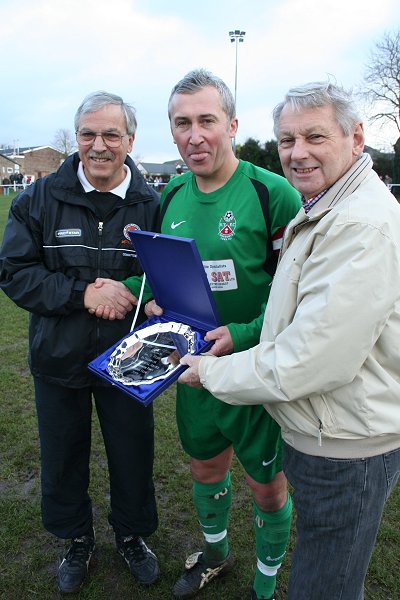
{"points": [[78, 554], [134, 549]]}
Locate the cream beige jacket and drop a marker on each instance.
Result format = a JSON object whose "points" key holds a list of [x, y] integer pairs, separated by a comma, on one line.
{"points": [[327, 367]]}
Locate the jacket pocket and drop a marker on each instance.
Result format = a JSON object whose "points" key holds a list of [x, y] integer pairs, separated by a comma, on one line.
{"points": [[322, 408]]}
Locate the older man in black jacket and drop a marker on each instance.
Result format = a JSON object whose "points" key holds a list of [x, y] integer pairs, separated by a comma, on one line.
{"points": [[64, 231]]}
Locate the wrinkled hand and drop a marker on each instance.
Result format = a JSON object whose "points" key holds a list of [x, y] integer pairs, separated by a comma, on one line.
{"points": [[108, 299], [152, 309], [191, 375], [222, 341]]}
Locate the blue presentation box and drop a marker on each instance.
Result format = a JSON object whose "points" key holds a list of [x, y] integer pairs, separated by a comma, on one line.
{"points": [[179, 284]]}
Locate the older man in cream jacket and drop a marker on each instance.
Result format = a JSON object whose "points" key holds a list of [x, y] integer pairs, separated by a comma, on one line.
{"points": [[327, 367]]}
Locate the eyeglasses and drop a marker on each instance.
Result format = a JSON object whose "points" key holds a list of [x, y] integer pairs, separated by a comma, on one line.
{"points": [[87, 138]]}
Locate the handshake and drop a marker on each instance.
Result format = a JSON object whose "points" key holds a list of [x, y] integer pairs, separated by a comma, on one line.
{"points": [[108, 299]]}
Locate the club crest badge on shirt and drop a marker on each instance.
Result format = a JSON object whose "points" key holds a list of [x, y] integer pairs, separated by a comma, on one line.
{"points": [[130, 227], [126, 241], [227, 226]]}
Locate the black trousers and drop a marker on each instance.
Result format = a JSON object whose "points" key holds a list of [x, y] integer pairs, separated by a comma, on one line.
{"points": [[64, 419]]}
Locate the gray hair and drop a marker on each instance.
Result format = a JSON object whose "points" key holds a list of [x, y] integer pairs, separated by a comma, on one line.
{"points": [[197, 80], [97, 100], [318, 94]]}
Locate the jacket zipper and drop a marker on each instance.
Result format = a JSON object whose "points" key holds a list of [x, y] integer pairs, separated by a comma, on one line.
{"points": [[100, 242], [320, 433], [100, 234]]}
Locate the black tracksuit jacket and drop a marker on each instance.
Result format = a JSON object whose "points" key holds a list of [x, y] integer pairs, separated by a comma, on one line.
{"points": [[55, 243]]}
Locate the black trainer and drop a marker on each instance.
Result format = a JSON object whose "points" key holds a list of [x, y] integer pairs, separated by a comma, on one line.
{"points": [[198, 573], [74, 566], [142, 562]]}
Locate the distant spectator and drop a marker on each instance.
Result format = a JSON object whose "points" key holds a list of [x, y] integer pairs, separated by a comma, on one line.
{"points": [[179, 171], [27, 180], [6, 183]]}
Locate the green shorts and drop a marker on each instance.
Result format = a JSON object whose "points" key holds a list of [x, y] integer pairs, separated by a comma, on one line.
{"points": [[207, 426]]}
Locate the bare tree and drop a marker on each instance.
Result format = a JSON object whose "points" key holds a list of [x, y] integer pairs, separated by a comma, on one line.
{"points": [[64, 142], [382, 88]]}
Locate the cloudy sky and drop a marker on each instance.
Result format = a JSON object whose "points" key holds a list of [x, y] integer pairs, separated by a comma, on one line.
{"points": [[54, 52]]}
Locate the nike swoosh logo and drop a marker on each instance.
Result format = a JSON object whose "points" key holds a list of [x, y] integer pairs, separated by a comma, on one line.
{"points": [[265, 463], [175, 225]]}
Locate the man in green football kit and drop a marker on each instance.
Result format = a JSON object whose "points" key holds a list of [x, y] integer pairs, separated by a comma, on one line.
{"points": [[236, 212]]}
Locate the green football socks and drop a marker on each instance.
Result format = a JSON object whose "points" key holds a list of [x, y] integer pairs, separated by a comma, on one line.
{"points": [[213, 503], [272, 536]]}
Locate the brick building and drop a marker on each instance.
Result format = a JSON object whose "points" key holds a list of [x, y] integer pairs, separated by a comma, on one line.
{"points": [[37, 161], [8, 166]]}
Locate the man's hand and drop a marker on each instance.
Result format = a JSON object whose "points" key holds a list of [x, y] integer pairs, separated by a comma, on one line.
{"points": [[108, 299], [223, 341], [191, 375], [152, 309]]}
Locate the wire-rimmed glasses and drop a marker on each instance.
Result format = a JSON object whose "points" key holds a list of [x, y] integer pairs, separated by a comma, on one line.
{"points": [[110, 138]]}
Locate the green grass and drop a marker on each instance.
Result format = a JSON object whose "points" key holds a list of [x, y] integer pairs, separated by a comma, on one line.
{"points": [[29, 556]]}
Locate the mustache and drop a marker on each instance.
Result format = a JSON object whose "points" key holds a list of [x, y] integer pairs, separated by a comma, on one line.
{"points": [[105, 154]]}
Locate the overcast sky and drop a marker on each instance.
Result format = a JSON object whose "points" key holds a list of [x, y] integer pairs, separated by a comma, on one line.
{"points": [[54, 52]]}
